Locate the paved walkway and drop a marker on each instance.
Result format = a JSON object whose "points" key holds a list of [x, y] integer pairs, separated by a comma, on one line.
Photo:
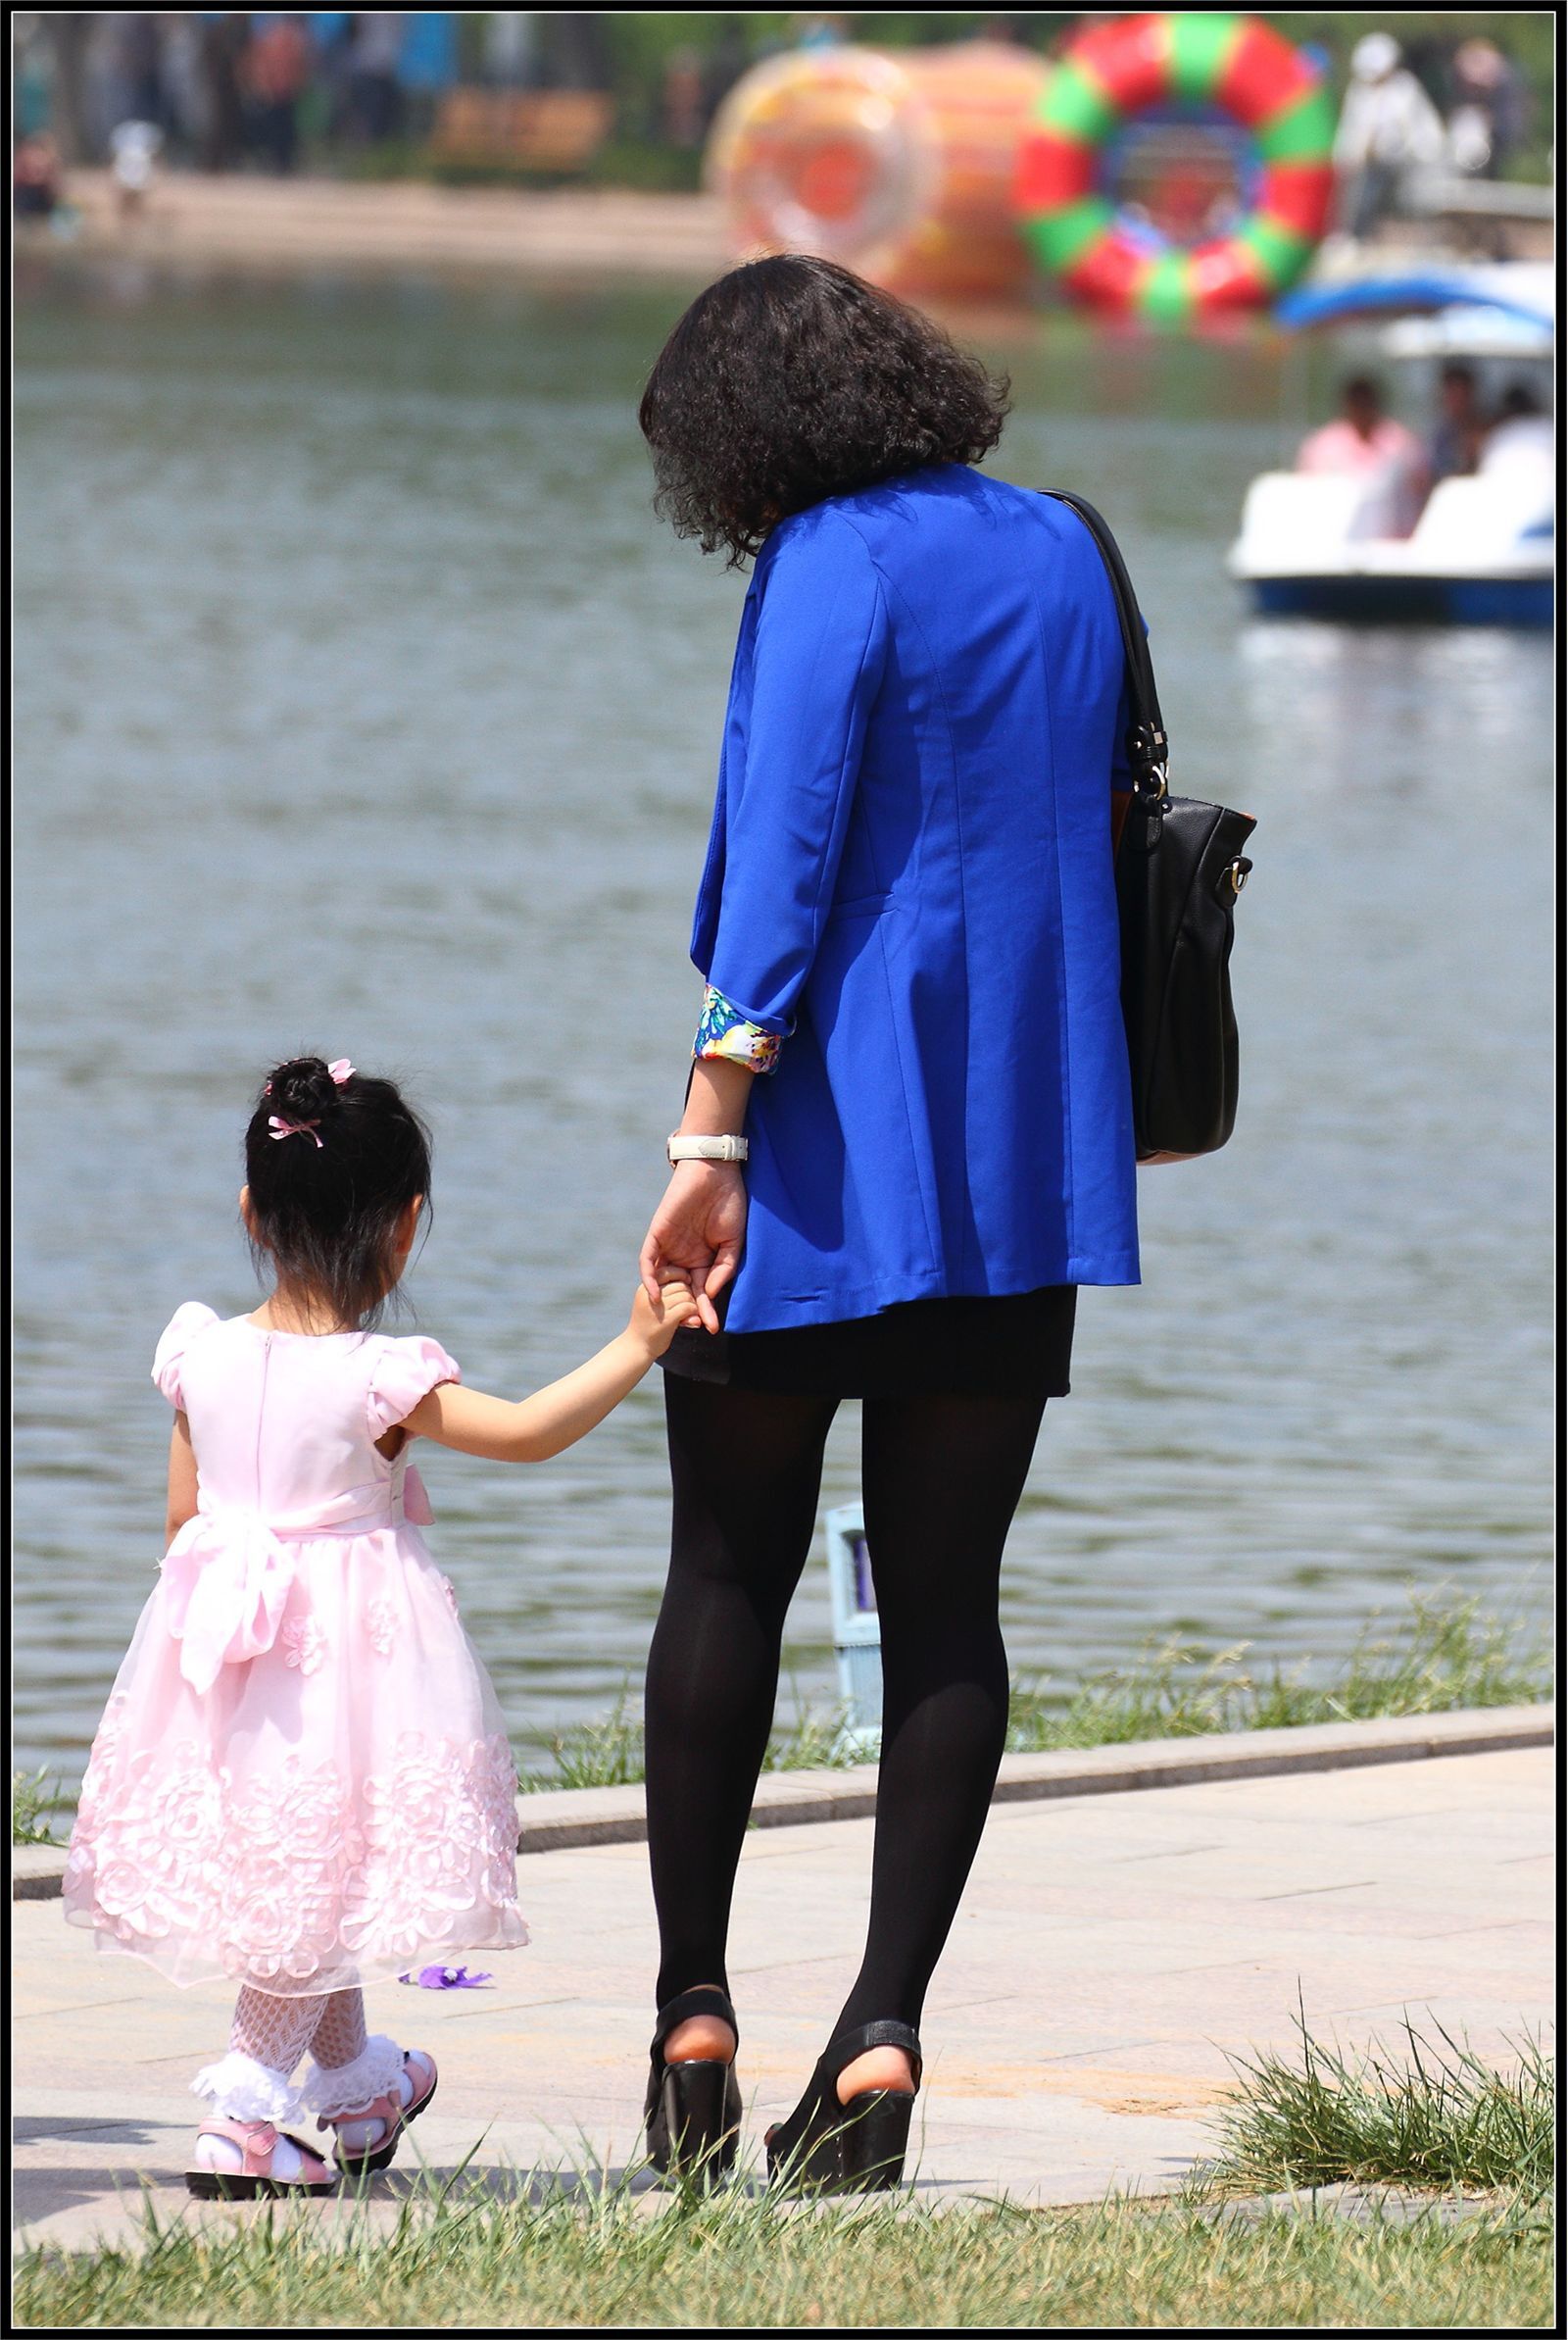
{"points": [[1111, 1951]]}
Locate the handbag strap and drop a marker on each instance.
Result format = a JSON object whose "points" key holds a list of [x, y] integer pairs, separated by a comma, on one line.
{"points": [[1148, 745]]}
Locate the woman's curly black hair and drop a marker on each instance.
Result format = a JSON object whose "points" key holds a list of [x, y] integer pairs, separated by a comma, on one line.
{"points": [[323, 1213], [791, 379]]}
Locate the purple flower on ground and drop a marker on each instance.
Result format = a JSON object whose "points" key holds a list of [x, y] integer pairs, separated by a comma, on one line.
{"points": [[447, 1978]]}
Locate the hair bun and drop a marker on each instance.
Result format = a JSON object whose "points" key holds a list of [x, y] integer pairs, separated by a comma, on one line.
{"points": [[303, 1088]]}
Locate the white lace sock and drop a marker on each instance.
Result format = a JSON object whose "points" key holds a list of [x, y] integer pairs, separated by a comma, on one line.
{"points": [[349, 2070], [242, 2088], [253, 2081]]}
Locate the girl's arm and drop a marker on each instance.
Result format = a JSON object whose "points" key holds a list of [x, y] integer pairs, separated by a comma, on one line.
{"points": [[556, 1417], [181, 1479]]}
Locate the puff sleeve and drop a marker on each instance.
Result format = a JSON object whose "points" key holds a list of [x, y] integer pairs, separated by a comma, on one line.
{"points": [[168, 1358], [405, 1372]]}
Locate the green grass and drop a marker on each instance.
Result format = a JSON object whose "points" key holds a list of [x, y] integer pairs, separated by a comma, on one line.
{"points": [[34, 1796], [472, 2252], [600, 2260], [1443, 1653], [609, 1751], [1437, 2116]]}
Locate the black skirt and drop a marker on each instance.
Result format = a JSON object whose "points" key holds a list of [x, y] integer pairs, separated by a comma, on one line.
{"points": [[1001, 1345]]}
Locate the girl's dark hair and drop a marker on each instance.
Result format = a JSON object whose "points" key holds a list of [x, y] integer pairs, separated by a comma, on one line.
{"points": [[791, 379], [325, 1214]]}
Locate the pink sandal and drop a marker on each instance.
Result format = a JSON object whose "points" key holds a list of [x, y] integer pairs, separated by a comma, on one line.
{"points": [[252, 2181], [392, 2112]]}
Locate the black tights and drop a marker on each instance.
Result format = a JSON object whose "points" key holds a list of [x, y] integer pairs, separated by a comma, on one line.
{"points": [[941, 1479]]}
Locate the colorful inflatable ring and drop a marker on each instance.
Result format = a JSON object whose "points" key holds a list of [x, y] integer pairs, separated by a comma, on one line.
{"points": [[1119, 67]]}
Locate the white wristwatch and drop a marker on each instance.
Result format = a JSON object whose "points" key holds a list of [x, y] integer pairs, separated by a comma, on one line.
{"points": [[705, 1149]]}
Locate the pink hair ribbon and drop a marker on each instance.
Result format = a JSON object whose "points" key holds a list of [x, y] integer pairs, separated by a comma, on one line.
{"points": [[342, 1070], [277, 1127]]}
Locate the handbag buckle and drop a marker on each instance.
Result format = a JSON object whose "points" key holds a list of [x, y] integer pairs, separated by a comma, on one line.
{"points": [[1237, 873]]}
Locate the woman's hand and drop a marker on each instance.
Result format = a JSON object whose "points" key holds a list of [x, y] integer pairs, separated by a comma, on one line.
{"points": [[697, 1233]]}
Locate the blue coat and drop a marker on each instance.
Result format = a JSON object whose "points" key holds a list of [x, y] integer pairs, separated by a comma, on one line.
{"points": [[910, 876]]}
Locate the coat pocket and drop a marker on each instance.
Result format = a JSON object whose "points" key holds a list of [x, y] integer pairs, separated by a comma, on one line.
{"points": [[858, 905]]}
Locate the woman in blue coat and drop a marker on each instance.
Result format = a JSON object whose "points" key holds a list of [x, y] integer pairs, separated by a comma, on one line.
{"points": [[908, 1136]]}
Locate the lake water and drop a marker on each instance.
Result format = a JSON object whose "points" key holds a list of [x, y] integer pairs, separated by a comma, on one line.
{"points": [[363, 705]]}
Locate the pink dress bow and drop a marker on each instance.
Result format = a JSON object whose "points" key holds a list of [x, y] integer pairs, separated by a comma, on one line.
{"points": [[229, 1573], [227, 1580]]}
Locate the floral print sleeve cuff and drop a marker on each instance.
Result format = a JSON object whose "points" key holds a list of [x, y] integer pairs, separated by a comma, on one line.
{"points": [[723, 1030]]}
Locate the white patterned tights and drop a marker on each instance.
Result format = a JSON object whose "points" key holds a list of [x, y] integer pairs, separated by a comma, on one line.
{"points": [[278, 2031]]}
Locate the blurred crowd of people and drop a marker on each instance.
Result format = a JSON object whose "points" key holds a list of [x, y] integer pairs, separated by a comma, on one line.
{"points": [[1512, 438], [220, 90], [224, 89], [1464, 111]]}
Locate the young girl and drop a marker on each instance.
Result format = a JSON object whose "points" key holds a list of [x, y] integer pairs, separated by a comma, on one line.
{"points": [[302, 1780]]}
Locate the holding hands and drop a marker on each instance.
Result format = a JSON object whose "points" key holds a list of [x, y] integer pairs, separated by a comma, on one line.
{"points": [[658, 1314], [696, 1235]]}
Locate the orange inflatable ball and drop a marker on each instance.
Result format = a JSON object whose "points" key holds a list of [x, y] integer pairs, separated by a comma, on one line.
{"points": [[902, 167]]}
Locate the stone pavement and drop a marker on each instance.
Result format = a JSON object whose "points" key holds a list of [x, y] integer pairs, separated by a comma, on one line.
{"points": [[1114, 1952]]}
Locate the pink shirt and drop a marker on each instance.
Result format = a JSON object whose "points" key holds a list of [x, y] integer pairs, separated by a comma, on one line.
{"points": [[1339, 447]]}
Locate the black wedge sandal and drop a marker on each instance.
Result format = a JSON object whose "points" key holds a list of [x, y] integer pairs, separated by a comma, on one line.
{"points": [[692, 2110], [857, 2148]]}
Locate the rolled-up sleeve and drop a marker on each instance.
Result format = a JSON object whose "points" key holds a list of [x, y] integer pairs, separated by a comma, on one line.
{"points": [[723, 1032], [816, 665]]}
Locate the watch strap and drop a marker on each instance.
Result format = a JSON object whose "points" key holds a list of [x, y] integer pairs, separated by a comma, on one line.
{"points": [[706, 1149]]}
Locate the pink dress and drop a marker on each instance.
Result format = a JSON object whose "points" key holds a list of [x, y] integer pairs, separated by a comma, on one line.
{"points": [[301, 1781]]}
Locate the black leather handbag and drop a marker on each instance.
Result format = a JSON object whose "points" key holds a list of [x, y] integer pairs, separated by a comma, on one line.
{"points": [[1179, 871]]}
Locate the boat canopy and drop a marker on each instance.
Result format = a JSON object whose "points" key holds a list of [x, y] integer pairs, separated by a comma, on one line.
{"points": [[1520, 293]]}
